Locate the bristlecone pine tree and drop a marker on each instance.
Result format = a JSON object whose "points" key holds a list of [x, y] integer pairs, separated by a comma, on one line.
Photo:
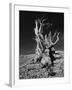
{"points": [[44, 47]]}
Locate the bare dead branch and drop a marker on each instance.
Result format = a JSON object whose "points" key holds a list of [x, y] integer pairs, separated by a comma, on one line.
{"points": [[53, 36], [56, 39], [36, 28]]}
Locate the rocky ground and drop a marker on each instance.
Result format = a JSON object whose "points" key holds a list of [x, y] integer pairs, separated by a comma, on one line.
{"points": [[29, 69]]}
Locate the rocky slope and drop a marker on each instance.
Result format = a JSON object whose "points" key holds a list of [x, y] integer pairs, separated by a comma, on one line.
{"points": [[28, 69]]}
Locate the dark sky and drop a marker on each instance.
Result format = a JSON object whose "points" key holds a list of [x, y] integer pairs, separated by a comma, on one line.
{"points": [[27, 25]]}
